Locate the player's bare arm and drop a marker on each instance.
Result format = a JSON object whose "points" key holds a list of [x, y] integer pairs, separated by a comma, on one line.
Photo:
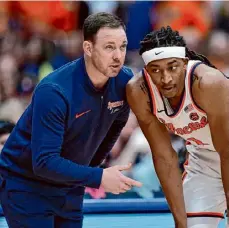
{"points": [[211, 93], [164, 157]]}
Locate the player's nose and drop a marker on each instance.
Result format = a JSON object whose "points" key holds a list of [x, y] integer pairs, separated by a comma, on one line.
{"points": [[166, 77]]}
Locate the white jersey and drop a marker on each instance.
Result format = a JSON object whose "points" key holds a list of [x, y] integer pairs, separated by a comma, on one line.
{"points": [[189, 121]]}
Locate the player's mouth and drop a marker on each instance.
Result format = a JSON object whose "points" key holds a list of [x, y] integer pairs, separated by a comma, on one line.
{"points": [[168, 88]]}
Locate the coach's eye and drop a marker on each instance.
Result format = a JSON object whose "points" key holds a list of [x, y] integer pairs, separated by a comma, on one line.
{"points": [[123, 47], [109, 47]]}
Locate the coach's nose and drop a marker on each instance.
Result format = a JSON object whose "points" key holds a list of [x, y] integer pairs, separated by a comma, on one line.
{"points": [[117, 54]]}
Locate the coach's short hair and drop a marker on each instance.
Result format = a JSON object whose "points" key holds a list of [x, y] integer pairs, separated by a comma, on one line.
{"points": [[93, 23]]}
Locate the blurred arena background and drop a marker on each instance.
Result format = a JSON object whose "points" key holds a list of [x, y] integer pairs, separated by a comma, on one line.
{"points": [[39, 37]]}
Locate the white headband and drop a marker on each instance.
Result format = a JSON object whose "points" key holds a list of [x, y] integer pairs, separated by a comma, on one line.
{"points": [[163, 53]]}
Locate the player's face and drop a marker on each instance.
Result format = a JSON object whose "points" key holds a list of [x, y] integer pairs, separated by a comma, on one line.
{"points": [[3, 139], [168, 75], [109, 51]]}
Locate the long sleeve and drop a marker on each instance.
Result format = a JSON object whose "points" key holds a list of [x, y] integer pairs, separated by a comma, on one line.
{"points": [[48, 127], [111, 137]]}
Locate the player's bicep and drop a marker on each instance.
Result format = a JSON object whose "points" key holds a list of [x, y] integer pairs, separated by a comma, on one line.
{"points": [[219, 126], [48, 122], [213, 97], [157, 135], [155, 132]]}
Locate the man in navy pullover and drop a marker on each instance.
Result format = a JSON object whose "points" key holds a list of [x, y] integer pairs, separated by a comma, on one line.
{"points": [[74, 119]]}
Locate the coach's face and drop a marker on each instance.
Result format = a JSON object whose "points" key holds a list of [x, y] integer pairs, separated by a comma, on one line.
{"points": [[109, 50], [168, 75]]}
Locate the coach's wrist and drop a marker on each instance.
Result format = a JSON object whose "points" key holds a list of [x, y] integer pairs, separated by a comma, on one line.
{"points": [[95, 178]]}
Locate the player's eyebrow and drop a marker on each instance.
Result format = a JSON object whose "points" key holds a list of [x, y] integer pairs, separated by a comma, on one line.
{"points": [[172, 61], [169, 63]]}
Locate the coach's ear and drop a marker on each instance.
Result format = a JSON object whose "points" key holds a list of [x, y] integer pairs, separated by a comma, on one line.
{"points": [[87, 48]]}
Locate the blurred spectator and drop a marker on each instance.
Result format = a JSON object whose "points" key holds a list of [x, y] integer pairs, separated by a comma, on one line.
{"points": [[8, 76], [218, 50], [5, 129], [12, 109], [191, 18], [4, 16], [49, 16], [223, 16]]}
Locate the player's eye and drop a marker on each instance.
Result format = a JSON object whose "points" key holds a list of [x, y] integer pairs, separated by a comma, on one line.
{"points": [[155, 70], [173, 68]]}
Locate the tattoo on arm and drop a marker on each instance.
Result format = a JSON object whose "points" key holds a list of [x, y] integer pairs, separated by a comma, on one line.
{"points": [[145, 91], [143, 88], [195, 78]]}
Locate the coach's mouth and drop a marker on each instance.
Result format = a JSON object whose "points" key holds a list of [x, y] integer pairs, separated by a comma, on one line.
{"points": [[115, 66]]}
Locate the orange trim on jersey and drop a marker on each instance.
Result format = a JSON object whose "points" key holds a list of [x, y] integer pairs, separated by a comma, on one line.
{"points": [[181, 106], [190, 92], [151, 92], [203, 214], [183, 176]]}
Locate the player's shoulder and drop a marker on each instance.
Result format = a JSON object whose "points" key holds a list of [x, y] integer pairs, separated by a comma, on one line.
{"points": [[135, 83], [207, 76], [138, 97], [136, 89]]}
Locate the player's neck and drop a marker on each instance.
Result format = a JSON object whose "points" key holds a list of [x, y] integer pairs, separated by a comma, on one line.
{"points": [[174, 102], [97, 78]]}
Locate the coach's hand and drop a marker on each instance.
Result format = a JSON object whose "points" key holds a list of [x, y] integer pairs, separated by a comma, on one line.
{"points": [[115, 182]]}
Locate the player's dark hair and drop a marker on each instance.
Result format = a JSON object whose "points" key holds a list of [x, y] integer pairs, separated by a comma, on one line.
{"points": [[6, 127], [166, 37], [95, 22]]}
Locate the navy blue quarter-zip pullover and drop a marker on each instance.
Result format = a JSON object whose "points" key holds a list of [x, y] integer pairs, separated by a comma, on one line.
{"points": [[69, 127]]}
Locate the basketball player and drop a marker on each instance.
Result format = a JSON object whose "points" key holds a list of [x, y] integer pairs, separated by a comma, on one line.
{"points": [[73, 121], [180, 91]]}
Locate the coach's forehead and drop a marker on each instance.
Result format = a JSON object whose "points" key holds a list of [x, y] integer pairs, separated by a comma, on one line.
{"points": [[111, 34]]}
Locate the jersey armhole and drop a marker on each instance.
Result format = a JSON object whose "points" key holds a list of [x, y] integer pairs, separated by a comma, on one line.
{"points": [[191, 80]]}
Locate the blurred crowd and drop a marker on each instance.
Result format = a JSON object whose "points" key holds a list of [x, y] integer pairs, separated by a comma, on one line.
{"points": [[38, 37]]}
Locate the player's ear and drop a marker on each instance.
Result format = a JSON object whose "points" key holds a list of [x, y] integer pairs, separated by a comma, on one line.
{"points": [[87, 48], [185, 62]]}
